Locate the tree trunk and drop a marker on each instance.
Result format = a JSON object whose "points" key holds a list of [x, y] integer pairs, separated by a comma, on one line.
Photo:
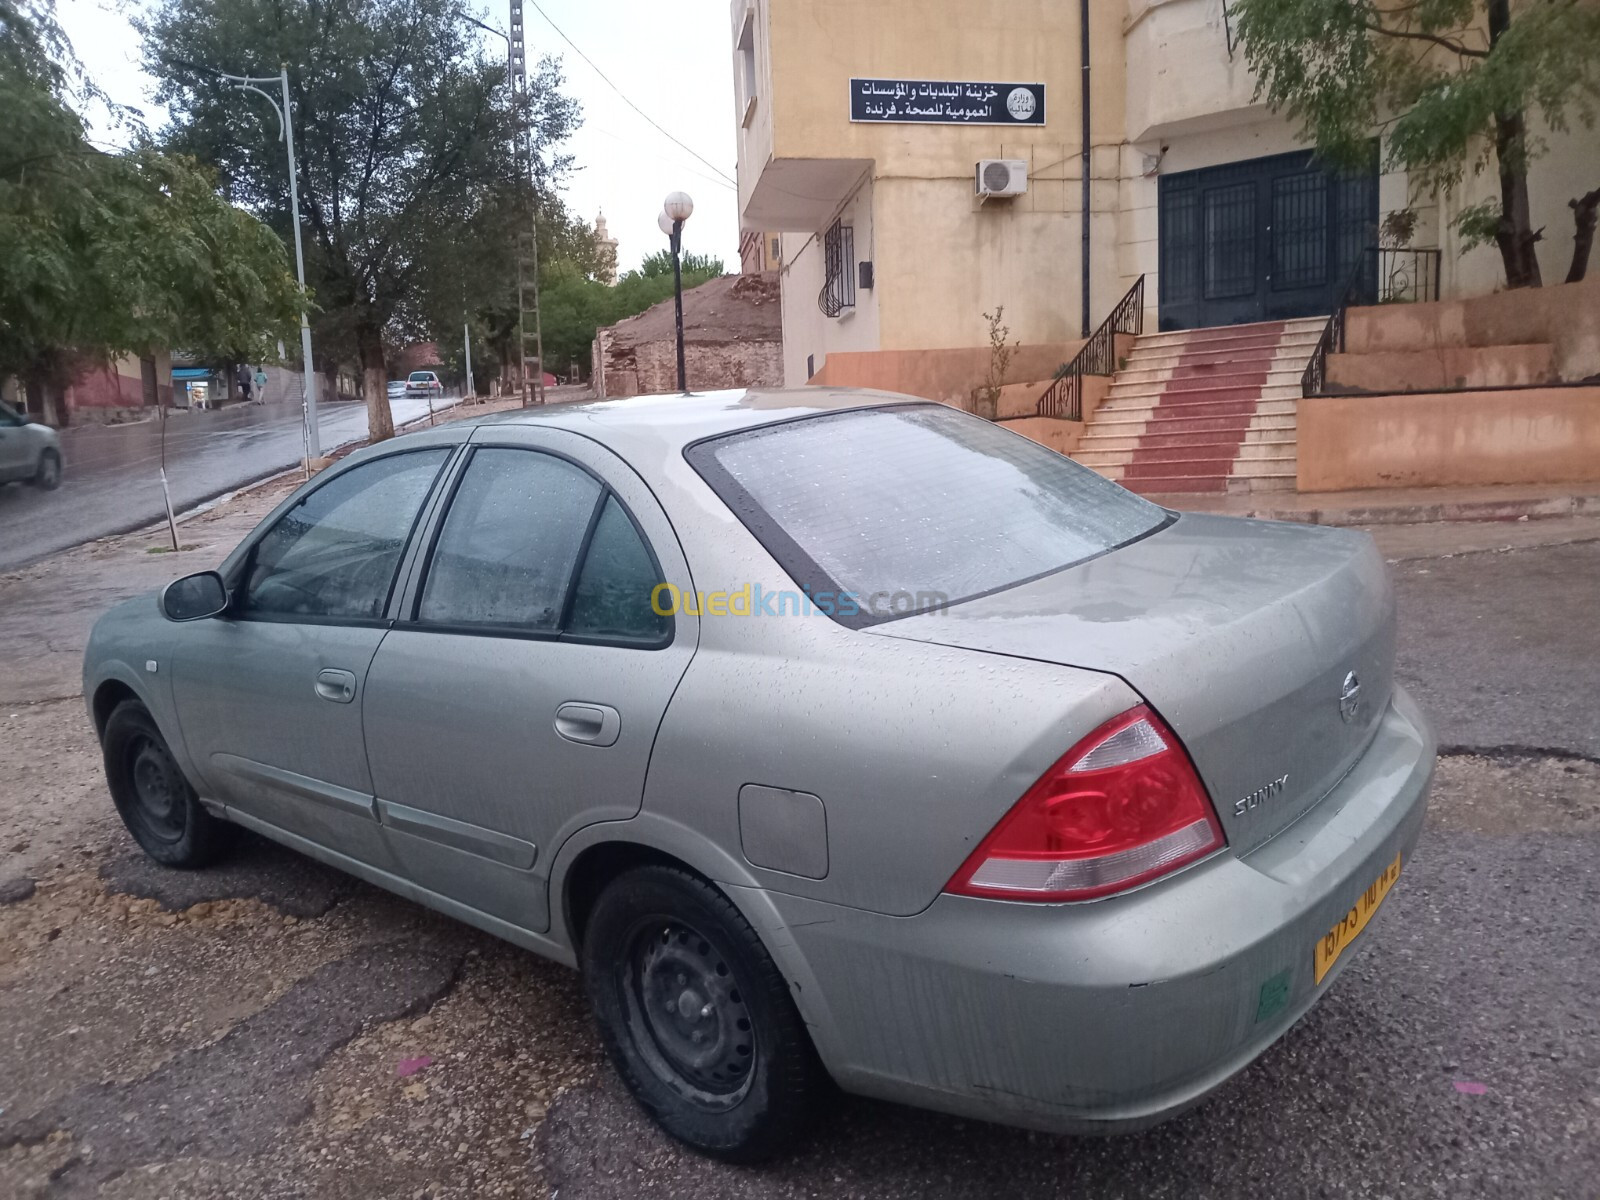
{"points": [[1515, 235], [1584, 212], [375, 380]]}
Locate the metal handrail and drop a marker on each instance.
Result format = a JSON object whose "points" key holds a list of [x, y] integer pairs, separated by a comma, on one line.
{"points": [[1064, 397], [1395, 283]]}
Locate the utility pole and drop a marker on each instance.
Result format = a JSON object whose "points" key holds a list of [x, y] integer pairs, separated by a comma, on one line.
{"points": [[466, 338], [528, 243]]}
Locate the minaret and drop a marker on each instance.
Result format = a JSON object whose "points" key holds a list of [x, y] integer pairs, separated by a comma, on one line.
{"points": [[604, 241]]}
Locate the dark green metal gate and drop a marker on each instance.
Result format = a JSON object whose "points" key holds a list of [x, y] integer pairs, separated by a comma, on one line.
{"points": [[1262, 240]]}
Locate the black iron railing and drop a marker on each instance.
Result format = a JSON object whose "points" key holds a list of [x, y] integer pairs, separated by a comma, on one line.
{"points": [[838, 261], [1064, 397], [1382, 275], [1406, 276]]}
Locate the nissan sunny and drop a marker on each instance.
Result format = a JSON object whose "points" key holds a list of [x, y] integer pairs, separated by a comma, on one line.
{"points": [[832, 735]]}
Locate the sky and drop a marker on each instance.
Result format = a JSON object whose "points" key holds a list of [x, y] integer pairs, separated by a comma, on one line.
{"points": [[673, 61]]}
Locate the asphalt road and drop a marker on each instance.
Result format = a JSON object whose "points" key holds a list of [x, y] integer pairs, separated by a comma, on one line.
{"points": [[268, 1028], [112, 483]]}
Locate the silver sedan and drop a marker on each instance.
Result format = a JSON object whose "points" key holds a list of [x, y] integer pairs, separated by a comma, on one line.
{"points": [[831, 734]]}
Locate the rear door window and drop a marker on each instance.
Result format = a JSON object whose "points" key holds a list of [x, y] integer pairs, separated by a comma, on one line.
{"points": [[534, 544], [910, 508]]}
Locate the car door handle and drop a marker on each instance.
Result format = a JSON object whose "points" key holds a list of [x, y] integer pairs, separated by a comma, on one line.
{"points": [[336, 685], [591, 724]]}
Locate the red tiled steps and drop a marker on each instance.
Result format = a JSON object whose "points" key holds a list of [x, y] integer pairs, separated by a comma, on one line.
{"points": [[1205, 410]]}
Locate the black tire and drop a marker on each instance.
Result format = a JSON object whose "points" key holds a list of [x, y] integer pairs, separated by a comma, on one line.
{"points": [[697, 1018], [152, 796], [47, 475]]}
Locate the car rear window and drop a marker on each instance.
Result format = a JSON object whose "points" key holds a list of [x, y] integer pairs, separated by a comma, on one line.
{"points": [[421, 376], [913, 507]]}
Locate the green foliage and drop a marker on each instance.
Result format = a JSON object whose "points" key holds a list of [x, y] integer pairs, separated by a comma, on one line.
{"points": [[411, 193], [107, 254], [660, 263], [573, 306], [1452, 82]]}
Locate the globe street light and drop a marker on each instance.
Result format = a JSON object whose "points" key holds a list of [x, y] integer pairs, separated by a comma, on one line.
{"points": [[675, 210]]}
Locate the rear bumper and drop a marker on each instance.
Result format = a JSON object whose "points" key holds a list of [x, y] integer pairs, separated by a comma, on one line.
{"points": [[1114, 1014]]}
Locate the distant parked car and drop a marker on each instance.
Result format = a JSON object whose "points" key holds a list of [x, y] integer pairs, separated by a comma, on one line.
{"points": [[29, 452], [397, 388], [423, 383]]}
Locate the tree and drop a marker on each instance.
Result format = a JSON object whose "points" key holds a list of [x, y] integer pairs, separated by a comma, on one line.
{"points": [[404, 133], [574, 306], [110, 254], [660, 263], [1453, 82]]}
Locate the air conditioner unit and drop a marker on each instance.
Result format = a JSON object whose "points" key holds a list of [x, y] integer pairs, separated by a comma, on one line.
{"points": [[1001, 177]]}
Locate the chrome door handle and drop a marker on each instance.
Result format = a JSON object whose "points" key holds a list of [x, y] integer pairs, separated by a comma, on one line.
{"points": [[590, 724], [336, 685]]}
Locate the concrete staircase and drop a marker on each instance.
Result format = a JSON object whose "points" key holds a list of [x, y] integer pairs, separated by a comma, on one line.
{"points": [[1204, 410]]}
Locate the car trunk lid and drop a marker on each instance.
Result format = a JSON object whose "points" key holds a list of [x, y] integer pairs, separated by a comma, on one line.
{"points": [[1242, 634]]}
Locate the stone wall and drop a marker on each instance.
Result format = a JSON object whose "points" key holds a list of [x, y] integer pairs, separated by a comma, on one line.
{"points": [[621, 369]]}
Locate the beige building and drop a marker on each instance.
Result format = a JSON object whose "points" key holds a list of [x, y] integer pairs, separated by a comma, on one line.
{"points": [[922, 162]]}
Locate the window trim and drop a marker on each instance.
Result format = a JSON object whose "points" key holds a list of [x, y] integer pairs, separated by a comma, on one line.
{"points": [[411, 620], [241, 578], [804, 570]]}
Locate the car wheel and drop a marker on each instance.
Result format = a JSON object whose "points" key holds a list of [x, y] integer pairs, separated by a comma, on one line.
{"points": [[47, 475], [152, 796], [696, 1017]]}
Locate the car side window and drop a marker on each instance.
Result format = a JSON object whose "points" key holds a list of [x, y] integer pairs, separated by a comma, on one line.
{"points": [[335, 553], [510, 542], [8, 417], [616, 584]]}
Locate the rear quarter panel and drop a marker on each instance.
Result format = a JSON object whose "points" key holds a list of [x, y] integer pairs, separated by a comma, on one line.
{"points": [[916, 751]]}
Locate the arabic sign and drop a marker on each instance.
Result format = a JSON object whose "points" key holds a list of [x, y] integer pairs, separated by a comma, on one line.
{"points": [[946, 102]]}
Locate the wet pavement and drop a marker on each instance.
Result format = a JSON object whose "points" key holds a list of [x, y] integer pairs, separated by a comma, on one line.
{"points": [[268, 1028], [111, 480]]}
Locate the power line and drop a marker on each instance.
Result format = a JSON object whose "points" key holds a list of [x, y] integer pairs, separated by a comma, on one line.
{"points": [[625, 99]]}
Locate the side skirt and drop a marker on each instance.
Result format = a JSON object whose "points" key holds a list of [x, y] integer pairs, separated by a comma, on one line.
{"points": [[515, 934]]}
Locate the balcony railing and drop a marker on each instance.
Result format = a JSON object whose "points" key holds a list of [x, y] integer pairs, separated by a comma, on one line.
{"points": [[1064, 397]]}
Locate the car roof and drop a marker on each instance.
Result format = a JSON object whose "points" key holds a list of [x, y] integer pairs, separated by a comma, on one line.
{"points": [[677, 420]]}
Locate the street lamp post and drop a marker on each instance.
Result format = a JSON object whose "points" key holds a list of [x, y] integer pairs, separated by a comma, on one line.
{"points": [[247, 83], [675, 210]]}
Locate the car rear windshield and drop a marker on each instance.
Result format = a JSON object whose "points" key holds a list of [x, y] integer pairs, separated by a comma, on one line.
{"points": [[421, 376], [910, 508]]}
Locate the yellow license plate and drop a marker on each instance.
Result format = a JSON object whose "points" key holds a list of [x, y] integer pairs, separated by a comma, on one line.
{"points": [[1332, 944]]}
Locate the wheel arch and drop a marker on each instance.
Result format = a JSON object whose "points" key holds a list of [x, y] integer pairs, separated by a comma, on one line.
{"points": [[595, 855]]}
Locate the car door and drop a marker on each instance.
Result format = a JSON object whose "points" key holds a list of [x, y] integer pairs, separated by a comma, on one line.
{"points": [[518, 697], [269, 693], [16, 448]]}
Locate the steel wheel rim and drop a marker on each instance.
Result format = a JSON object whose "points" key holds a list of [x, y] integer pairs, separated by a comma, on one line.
{"points": [[50, 470], [692, 1025], [156, 792]]}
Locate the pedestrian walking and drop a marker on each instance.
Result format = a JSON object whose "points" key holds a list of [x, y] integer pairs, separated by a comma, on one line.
{"points": [[244, 379], [261, 385]]}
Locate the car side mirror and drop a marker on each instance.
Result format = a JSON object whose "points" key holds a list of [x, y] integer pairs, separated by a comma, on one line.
{"points": [[194, 597]]}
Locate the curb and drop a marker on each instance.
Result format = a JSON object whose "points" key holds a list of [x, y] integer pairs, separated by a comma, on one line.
{"points": [[1424, 514]]}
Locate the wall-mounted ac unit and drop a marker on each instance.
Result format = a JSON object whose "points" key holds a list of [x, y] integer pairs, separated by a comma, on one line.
{"points": [[1001, 177]]}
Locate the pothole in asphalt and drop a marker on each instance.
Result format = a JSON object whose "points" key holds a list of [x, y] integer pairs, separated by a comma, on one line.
{"points": [[1511, 794]]}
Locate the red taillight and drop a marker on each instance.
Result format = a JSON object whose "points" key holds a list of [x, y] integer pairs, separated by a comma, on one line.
{"points": [[1121, 807]]}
